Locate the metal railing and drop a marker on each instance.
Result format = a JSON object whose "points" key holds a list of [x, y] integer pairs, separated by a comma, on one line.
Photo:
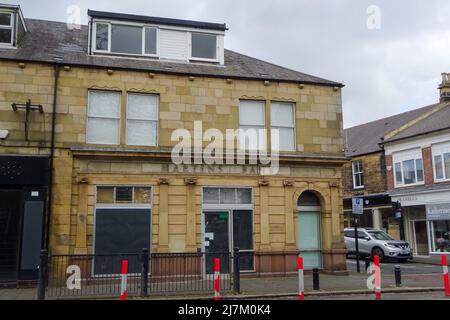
{"points": [[99, 275]]}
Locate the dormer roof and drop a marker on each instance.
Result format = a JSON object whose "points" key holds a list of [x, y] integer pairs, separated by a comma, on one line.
{"points": [[157, 20]]}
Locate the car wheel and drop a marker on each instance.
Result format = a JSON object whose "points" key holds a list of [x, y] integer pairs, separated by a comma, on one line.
{"points": [[378, 252]]}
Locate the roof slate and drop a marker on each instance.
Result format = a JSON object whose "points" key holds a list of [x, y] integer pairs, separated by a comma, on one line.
{"points": [[50, 42], [365, 138], [440, 120]]}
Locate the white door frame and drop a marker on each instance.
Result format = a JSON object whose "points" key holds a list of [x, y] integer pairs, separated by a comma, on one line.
{"points": [[413, 229]]}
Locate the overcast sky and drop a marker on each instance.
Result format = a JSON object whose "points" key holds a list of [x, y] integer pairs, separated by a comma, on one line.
{"points": [[387, 70]]}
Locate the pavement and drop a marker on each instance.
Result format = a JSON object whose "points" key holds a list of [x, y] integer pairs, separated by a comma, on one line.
{"points": [[415, 276], [410, 267], [430, 295]]}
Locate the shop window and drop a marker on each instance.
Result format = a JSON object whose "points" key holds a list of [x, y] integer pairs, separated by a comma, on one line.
{"points": [[441, 235], [122, 227]]}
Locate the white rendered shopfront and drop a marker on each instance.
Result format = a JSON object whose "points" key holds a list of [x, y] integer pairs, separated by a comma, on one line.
{"points": [[427, 221]]}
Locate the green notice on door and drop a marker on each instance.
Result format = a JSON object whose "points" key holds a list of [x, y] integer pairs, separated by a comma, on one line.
{"points": [[223, 216]]}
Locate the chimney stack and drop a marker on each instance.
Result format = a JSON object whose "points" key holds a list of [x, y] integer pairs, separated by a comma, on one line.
{"points": [[445, 87]]}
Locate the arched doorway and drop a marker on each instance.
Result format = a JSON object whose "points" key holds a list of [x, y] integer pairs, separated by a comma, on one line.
{"points": [[309, 230]]}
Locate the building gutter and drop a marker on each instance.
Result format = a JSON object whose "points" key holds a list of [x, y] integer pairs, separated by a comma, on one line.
{"points": [[415, 135], [178, 73], [47, 218]]}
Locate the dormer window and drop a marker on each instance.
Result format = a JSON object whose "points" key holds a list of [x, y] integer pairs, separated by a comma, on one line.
{"points": [[165, 39], [6, 28], [127, 39], [204, 46], [12, 26]]}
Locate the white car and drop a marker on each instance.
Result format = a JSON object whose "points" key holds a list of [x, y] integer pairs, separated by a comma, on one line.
{"points": [[375, 242]]}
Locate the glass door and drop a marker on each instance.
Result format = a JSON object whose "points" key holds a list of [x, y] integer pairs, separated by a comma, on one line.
{"points": [[310, 239], [217, 240], [421, 238]]}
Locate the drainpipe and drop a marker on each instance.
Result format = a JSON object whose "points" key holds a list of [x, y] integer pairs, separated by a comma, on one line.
{"points": [[46, 238]]}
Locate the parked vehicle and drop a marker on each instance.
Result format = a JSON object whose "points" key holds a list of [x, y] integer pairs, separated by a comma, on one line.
{"points": [[374, 242]]}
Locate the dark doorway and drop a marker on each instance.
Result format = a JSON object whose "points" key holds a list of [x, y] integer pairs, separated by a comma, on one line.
{"points": [[10, 225], [218, 243]]}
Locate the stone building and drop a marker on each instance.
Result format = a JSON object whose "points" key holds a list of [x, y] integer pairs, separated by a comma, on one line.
{"points": [[99, 105]]}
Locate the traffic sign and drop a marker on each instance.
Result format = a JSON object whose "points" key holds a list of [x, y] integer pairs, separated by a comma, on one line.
{"points": [[358, 205]]}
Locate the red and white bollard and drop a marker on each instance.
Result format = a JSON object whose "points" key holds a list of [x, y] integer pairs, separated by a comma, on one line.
{"points": [[123, 294], [217, 279], [301, 282], [377, 278], [446, 277]]}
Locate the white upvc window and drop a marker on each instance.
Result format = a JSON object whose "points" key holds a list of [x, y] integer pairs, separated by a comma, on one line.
{"points": [[6, 28], [125, 38], [282, 118], [204, 47], [358, 174], [408, 168], [142, 119], [103, 123], [441, 162], [252, 122]]}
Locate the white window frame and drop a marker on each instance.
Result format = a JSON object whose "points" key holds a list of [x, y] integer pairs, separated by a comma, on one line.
{"points": [[119, 119], [10, 27], [263, 126], [415, 154], [145, 120], [293, 128], [354, 173], [440, 150], [110, 23], [192, 58]]}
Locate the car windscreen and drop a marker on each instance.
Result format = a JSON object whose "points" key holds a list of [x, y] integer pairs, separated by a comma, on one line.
{"points": [[380, 235]]}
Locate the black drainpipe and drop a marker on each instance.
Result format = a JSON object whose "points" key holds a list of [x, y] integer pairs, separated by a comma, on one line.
{"points": [[46, 238]]}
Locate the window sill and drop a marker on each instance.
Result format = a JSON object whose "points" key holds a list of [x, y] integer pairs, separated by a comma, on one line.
{"points": [[7, 46], [410, 185], [203, 60], [358, 188], [441, 180], [124, 55]]}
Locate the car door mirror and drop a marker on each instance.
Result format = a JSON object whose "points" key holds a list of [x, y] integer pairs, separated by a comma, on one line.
{"points": [[367, 238]]}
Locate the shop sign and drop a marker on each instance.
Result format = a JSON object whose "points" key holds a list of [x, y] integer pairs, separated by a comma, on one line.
{"points": [[438, 211]]}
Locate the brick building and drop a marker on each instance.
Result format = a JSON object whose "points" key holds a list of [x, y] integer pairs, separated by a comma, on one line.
{"points": [[403, 159], [418, 175], [365, 176], [103, 103]]}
